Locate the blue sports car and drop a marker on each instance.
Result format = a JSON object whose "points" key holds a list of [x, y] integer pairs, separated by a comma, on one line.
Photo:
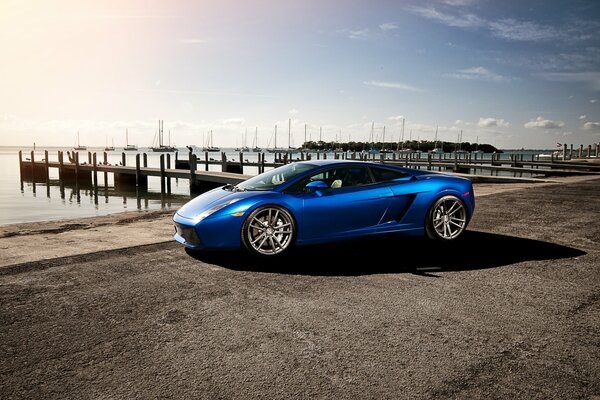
{"points": [[324, 201]]}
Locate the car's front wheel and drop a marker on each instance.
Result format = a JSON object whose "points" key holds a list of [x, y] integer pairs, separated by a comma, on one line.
{"points": [[447, 219], [269, 231]]}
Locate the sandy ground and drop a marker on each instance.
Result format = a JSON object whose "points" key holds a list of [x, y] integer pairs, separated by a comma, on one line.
{"points": [[513, 310]]}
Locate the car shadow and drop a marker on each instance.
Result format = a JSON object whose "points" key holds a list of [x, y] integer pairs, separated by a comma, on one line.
{"points": [[475, 250]]}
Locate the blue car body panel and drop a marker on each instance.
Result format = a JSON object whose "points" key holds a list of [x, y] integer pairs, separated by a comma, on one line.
{"points": [[394, 206]]}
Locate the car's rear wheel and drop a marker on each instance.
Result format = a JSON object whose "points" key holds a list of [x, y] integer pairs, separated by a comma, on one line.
{"points": [[269, 231], [447, 219]]}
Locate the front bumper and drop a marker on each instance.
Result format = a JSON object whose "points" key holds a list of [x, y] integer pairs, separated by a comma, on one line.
{"points": [[187, 236]]}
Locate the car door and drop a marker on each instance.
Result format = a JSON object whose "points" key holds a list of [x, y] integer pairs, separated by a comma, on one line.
{"points": [[350, 206]]}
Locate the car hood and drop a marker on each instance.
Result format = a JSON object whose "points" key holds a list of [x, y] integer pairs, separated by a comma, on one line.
{"points": [[212, 198]]}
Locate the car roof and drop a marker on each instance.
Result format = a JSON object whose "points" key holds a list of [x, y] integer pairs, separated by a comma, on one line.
{"points": [[321, 163]]}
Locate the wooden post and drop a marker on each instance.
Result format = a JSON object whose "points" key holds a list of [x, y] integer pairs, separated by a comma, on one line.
{"points": [[21, 165], [564, 156], [123, 159], [429, 161], [137, 170], [193, 165], [571, 151], [76, 159], [60, 165], [324, 156], [223, 162], [192, 162], [47, 166], [105, 163], [262, 163], [241, 163], [95, 164], [162, 173], [168, 178], [206, 160], [32, 166], [589, 151], [580, 151], [145, 157]]}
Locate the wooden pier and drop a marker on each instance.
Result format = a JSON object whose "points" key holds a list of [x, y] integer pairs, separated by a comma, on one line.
{"points": [[196, 170]]}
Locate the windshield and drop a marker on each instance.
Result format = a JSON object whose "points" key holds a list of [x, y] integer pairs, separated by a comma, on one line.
{"points": [[270, 179]]}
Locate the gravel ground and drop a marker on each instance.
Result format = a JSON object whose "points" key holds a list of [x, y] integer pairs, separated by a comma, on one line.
{"points": [[513, 310]]}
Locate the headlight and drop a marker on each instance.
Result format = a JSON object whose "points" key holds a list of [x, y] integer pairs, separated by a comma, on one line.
{"points": [[212, 210]]}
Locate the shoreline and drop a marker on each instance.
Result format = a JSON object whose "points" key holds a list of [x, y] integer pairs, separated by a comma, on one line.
{"points": [[68, 237]]}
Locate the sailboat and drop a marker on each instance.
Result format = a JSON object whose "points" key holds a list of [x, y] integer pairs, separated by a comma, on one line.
{"points": [[477, 151], [77, 145], [290, 149], [383, 149], [209, 144], [405, 150], [244, 148], [129, 147], [255, 147], [459, 145], [162, 147], [372, 149], [276, 149], [110, 148], [436, 150]]}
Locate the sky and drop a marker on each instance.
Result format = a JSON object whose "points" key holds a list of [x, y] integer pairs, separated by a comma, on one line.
{"points": [[515, 74]]}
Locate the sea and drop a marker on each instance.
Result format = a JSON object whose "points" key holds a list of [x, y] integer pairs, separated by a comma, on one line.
{"points": [[23, 201]]}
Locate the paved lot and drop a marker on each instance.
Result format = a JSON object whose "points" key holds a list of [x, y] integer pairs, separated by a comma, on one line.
{"points": [[511, 311]]}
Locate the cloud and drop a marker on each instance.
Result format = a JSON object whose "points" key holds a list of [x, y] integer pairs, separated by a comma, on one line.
{"points": [[388, 26], [512, 29], [592, 79], [541, 123], [507, 28], [591, 126], [396, 118], [593, 101], [477, 73], [582, 116], [394, 85], [356, 33], [293, 111], [457, 21], [490, 122], [233, 121], [458, 2]]}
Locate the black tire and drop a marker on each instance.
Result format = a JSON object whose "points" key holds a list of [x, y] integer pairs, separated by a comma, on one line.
{"points": [[269, 231], [446, 219]]}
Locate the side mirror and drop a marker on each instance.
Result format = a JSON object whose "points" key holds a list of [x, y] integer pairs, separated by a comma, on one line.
{"points": [[316, 185]]}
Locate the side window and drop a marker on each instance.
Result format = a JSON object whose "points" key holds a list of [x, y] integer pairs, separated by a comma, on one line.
{"points": [[336, 178], [348, 176], [384, 174]]}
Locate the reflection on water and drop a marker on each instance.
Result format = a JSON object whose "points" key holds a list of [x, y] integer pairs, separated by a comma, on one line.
{"points": [[55, 199]]}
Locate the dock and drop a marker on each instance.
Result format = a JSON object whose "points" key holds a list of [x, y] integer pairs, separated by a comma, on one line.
{"points": [[197, 169]]}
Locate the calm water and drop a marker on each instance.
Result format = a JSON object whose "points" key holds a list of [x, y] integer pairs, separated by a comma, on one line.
{"points": [[29, 202]]}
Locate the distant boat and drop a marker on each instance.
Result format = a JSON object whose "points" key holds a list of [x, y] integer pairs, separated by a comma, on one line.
{"points": [[383, 150], [276, 149], [109, 148], [209, 144], [77, 145], [255, 147], [244, 148], [129, 147], [436, 150], [163, 148]]}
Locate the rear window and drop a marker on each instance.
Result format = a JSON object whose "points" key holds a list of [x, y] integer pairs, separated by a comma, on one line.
{"points": [[384, 174]]}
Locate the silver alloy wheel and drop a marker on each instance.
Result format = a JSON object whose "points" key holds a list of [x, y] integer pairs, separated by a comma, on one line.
{"points": [[269, 230], [449, 217]]}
